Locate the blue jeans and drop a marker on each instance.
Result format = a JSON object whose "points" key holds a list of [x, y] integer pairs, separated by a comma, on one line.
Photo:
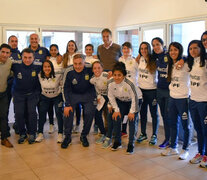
{"points": [[133, 125], [178, 109], [163, 99], [198, 112], [149, 98], [44, 106]]}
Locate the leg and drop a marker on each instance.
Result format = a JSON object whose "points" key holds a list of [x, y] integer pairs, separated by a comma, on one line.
{"points": [[51, 113], [58, 102]]}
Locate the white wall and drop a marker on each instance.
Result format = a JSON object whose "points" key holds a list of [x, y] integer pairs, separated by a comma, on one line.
{"points": [[82, 13], [131, 12]]}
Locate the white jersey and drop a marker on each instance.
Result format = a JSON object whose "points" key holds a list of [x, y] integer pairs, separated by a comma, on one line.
{"points": [[179, 86], [58, 68], [90, 59], [51, 87], [125, 91], [198, 81], [146, 80], [70, 59], [100, 83], [132, 71]]}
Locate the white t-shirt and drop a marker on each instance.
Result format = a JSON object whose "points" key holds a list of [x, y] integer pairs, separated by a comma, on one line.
{"points": [[90, 59], [58, 68]]}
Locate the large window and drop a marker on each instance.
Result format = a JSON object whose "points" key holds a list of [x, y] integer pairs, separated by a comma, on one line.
{"points": [[130, 36], [149, 34], [185, 32]]}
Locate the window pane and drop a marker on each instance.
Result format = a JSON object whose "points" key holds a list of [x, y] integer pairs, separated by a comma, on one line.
{"points": [[59, 38], [185, 32], [23, 38], [148, 35], [130, 36], [92, 38]]}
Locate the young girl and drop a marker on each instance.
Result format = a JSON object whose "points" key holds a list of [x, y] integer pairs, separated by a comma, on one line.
{"points": [[204, 42], [71, 50], [99, 80], [123, 98], [198, 99], [51, 92], [132, 73], [178, 101], [147, 84]]}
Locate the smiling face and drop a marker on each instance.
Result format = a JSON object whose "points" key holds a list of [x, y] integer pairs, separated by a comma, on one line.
{"points": [[27, 58], [47, 69], [4, 54], [144, 51], [106, 38], [53, 51], [97, 69], [34, 41], [13, 42], [157, 46], [204, 40], [78, 64], [89, 51], [71, 48], [118, 76], [126, 51], [174, 52], [194, 50]]}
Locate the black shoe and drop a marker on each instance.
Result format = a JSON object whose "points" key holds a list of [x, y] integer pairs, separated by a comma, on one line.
{"points": [[116, 146], [22, 139], [31, 139], [16, 130], [130, 149], [84, 141], [66, 142]]}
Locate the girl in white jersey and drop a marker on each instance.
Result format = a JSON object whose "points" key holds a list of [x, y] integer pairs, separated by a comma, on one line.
{"points": [[132, 73], [147, 83], [51, 92], [71, 50], [178, 101], [198, 99], [123, 98]]}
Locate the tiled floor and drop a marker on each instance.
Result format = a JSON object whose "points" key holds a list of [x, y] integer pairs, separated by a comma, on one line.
{"points": [[47, 161]]}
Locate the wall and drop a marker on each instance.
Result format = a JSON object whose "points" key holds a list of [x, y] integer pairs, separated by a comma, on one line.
{"points": [[130, 12]]}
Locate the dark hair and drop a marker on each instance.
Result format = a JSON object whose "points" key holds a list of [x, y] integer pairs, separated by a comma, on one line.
{"points": [[190, 59], [89, 45], [76, 56], [27, 50], [56, 46], [151, 63], [106, 30], [127, 44], [170, 60], [4, 45], [161, 42], [52, 73], [11, 37], [97, 62], [205, 33], [120, 66]]}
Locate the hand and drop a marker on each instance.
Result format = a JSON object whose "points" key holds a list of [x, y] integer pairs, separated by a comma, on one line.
{"points": [[110, 109], [67, 111], [109, 74], [115, 115], [95, 57], [180, 64], [59, 59], [131, 116], [98, 100]]}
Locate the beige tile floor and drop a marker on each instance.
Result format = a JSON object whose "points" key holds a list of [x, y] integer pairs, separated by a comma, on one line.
{"points": [[47, 161]]}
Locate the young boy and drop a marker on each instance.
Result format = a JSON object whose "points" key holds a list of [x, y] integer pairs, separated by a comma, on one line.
{"points": [[89, 50]]}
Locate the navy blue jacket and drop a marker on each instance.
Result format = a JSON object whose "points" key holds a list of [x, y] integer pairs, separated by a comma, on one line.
{"points": [[15, 54]]}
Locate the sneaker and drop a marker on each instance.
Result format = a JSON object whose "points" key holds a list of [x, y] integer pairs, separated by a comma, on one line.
{"points": [[183, 154], [60, 138], [153, 140], [39, 137], [196, 159], [66, 142], [51, 129], [141, 138], [130, 149], [169, 152], [204, 162], [116, 146], [95, 129], [31, 139], [124, 134], [22, 139], [84, 141], [76, 129], [106, 143], [101, 139], [164, 145]]}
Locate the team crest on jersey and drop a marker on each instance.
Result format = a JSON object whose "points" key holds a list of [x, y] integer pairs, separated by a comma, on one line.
{"points": [[19, 75], [165, 59], [53, 79], [74, 82], [125, 89], [40, 51], [130, 63], [19, 56], [33, 73], [184, 116], [105, 83], [86, 77]]}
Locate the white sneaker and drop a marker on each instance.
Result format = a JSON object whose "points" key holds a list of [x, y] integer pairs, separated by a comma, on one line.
{"points": [[204, 162], [101, 139], [76, 129], [196, 159], [60, 138], [106, 143], [183, 154], [169, 152], [51, 129], [39, 137]]}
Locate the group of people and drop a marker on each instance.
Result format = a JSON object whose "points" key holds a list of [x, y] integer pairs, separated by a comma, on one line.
{"points": [[113, 84]]}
